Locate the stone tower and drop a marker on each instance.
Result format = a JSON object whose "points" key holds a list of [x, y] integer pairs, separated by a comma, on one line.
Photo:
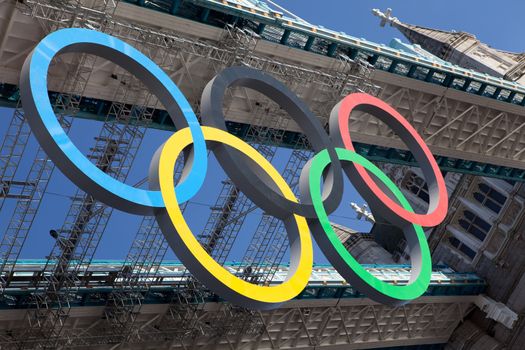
{"points": [[461, 48], [485, 228]]}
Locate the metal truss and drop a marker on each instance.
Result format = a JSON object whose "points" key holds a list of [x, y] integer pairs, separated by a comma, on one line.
{"points": [[447, 129], [217, 325], [222, 55], [149, 246], [268, 245], [221, 230], [54, 15], [231, 206], [493, 138], [15, 141], [330, 324], [186, 51], [29, 192], [327, 326], [225, 221], [124, 307], [124, 304], [451, 123], [145, 254], [360, 326], [33, 188], [142, 263]]}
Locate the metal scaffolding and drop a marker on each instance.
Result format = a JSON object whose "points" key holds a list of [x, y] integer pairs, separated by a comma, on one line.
{"points": [[31, 190], [71, 303], [269, 242], [311, 320], [11, 151], [113, 153], [131, 283], [231, 207], [149, 246], [268, 245], [77, 240], [144, 256]]}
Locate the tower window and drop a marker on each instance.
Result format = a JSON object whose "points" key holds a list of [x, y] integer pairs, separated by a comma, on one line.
{"points": [[489, 197], [474, 225], [417, 186], [463, 248]]}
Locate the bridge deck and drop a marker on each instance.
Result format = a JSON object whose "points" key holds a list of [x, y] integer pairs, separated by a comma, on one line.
{"points": [[325, 283], [474, 123]]}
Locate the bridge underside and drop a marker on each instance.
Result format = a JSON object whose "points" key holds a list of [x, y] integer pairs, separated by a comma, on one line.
{"points": [[469, 131], [329, 314], [320, 324]]}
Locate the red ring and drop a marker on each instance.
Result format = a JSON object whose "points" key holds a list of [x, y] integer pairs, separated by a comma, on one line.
{"points": [[435, 215]]}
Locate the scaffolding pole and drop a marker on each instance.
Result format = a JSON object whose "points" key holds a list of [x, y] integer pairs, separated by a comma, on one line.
{"points": [[113, 153], [232, 206], [65, 104], [269, 242], [149, 246], [77, 240], [11, 152], [142, 261]]}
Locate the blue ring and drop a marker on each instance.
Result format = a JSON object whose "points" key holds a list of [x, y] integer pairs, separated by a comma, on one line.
{"points": [[47, 128]]}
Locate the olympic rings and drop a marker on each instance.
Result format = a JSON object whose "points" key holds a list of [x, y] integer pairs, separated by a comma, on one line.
{"points": [[376, 198], [253, 183], [60, 148], [249, 171], [339, 256], [195, 257]]}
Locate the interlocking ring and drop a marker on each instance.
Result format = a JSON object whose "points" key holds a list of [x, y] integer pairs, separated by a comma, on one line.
{"points": [[253, 183], [64, 153], [339, 256], [382, 203], [195, 257], [249, 171]]}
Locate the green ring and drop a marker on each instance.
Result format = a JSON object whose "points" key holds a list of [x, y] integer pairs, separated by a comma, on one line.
{"points": [[336, 251]]}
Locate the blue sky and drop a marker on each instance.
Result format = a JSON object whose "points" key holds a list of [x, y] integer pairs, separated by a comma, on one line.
{"points": [[499, 26], [497, 23]]}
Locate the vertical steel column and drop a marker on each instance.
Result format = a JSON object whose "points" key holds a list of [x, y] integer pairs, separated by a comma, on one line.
{"points": [[11, 151]]}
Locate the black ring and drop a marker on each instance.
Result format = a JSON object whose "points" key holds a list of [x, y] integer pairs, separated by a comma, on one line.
{"points": [[254, 184]]}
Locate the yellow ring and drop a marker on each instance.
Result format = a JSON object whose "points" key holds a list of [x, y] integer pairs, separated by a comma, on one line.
{"points": [[237, 290]]}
